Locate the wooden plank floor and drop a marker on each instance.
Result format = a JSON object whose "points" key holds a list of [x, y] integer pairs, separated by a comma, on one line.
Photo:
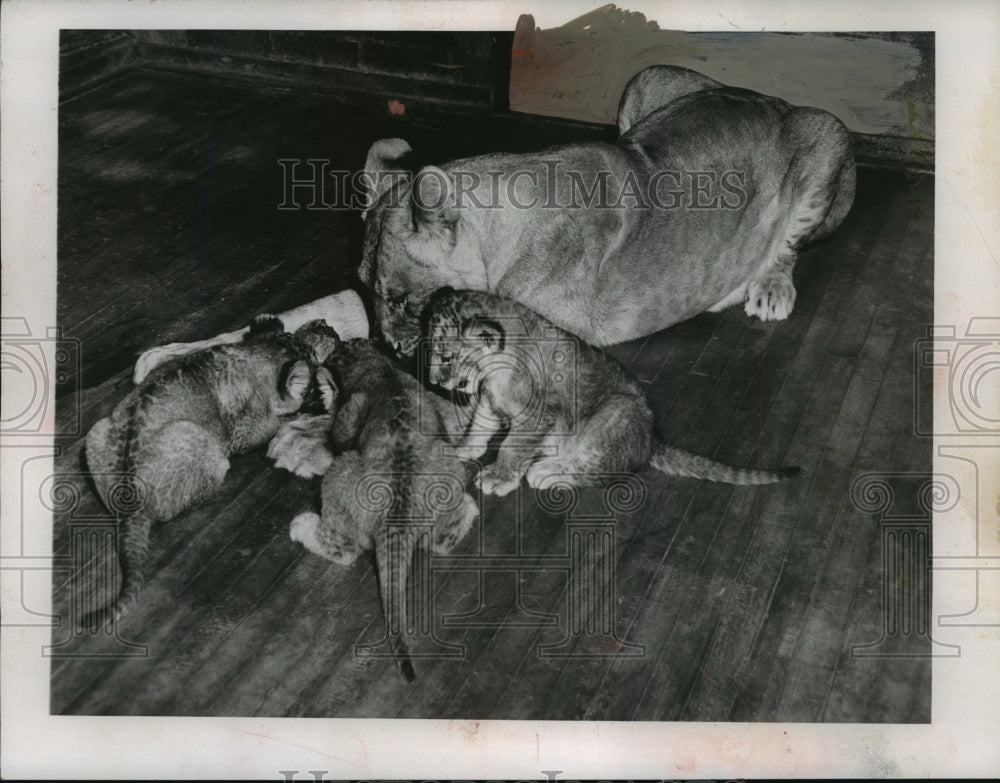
{"points": [[727, 603]]}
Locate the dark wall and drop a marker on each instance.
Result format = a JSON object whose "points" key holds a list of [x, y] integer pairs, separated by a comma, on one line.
{"points": [[471, 71], [451, 68], [87, 56]]}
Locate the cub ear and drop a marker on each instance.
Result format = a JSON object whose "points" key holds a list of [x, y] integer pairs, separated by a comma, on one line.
{"points": [[437, 304], [487, 331], [434, 201], [439, 298], [321, 337], [263, 325], [383, 167], [294, 382], [315, 325], [328, 390]]}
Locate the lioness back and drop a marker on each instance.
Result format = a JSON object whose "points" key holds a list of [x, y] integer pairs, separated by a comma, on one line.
{"points": [[702, 204]]}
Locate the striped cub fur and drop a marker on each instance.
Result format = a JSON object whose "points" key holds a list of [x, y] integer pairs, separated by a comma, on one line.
{"points": [[391, 472], [569, 406], [167, 445]]}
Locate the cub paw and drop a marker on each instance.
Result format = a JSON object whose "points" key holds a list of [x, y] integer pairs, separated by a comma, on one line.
{"points": [[303, 529], [544, 470], [447, 536], [470, 451], [301, 446], [771, 299], [492, 482], [154, 357]]}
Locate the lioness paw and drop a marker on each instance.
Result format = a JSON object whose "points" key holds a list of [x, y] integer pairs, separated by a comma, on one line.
{"points": [[301, 446], [771, 299]]}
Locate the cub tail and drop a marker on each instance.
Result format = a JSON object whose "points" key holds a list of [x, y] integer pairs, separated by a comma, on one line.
{"points": [[676, 462], [394, 552], [133, 532], [132, 553], [127, 497]]}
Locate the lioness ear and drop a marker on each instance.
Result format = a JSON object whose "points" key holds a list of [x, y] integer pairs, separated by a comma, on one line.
{"points": [[488, 332], [294, 382], [382, 170], [327, 389], [433, 196]]}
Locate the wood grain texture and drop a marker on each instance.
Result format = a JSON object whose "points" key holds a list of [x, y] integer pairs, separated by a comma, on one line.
{"points": [[746, 602]]}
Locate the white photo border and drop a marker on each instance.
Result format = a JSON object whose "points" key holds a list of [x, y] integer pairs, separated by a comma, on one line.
{"points": [[964, 736]]}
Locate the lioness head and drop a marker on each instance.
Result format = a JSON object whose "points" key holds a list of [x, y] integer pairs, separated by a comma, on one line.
{"points": [[416, 241]]}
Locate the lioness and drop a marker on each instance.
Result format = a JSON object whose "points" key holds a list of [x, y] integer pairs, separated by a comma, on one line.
{"points": [[701, 204]]}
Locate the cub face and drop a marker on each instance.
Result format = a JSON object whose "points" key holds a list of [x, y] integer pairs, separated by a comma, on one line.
{"points": [[464, 355]]}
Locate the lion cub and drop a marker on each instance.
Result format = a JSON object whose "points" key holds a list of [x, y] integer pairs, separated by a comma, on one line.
{"points": [[391, 471], [169, 441], [569, 406]]}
